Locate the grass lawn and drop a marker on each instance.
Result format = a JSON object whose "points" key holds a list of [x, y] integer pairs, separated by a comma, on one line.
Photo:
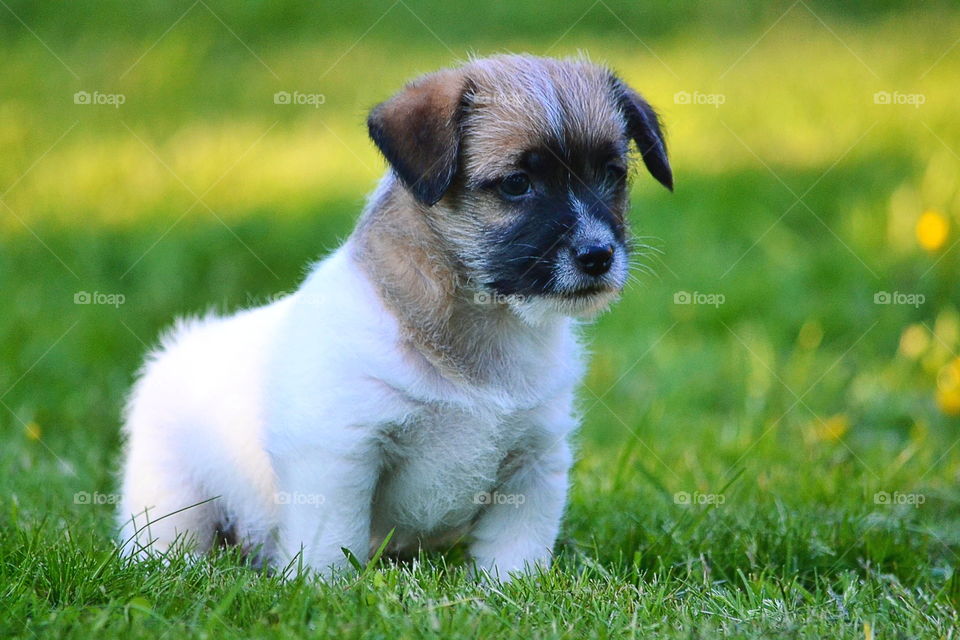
{"points": [[770, 420]]}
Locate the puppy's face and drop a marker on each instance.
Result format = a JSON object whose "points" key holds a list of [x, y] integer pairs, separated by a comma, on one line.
{"points": [[521, 164]]}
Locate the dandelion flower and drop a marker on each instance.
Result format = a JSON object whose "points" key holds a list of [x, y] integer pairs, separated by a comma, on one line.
{"points": [[949, 401], [948, 388], [932, 230]]}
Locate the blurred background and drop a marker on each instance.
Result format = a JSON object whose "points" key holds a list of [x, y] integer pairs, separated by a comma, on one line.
{"points": [[796, 344]]}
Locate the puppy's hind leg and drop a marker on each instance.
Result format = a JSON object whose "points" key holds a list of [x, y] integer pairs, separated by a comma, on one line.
{"points": [[160, 508]]}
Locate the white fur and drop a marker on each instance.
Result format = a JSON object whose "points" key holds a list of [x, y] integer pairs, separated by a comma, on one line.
{"points": [[307, 425]]}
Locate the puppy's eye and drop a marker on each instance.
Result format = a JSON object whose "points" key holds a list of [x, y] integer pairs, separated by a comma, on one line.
{"points": [[515, 185], [616, 172]]}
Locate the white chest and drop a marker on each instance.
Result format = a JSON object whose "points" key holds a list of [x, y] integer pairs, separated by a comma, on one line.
{"points": [[439, 465]]}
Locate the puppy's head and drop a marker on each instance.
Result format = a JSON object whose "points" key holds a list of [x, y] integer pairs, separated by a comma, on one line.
{"points": [[521, 165]]}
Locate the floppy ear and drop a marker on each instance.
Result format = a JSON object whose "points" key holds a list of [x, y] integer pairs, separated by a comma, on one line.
{"points": [[643, 126], [418, 132]]}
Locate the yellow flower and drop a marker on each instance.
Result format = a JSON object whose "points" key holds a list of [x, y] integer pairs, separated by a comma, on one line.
{"points": [[948, 388], [834, 427], [932, 230], [949, 401], [948, 377], [33, 431]]}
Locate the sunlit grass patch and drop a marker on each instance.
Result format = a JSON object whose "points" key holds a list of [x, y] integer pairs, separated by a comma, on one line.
{"points": [[769, 420]]}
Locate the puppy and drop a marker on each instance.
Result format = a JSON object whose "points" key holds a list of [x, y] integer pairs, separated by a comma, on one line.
{"points": [[420, 383]]}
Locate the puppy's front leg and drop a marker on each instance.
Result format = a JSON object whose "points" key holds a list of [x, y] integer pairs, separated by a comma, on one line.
{"points": [[517, 531], [324, 505]]}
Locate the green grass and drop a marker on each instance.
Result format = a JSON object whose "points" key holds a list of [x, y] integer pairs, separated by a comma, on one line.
{"points": [[788, 407]]}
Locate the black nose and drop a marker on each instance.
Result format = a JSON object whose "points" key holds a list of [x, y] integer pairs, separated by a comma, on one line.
{"points": [[594, 260]]}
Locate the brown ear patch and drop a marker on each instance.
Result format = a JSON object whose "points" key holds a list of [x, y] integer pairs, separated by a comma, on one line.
{"points": [[418, 132]]}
